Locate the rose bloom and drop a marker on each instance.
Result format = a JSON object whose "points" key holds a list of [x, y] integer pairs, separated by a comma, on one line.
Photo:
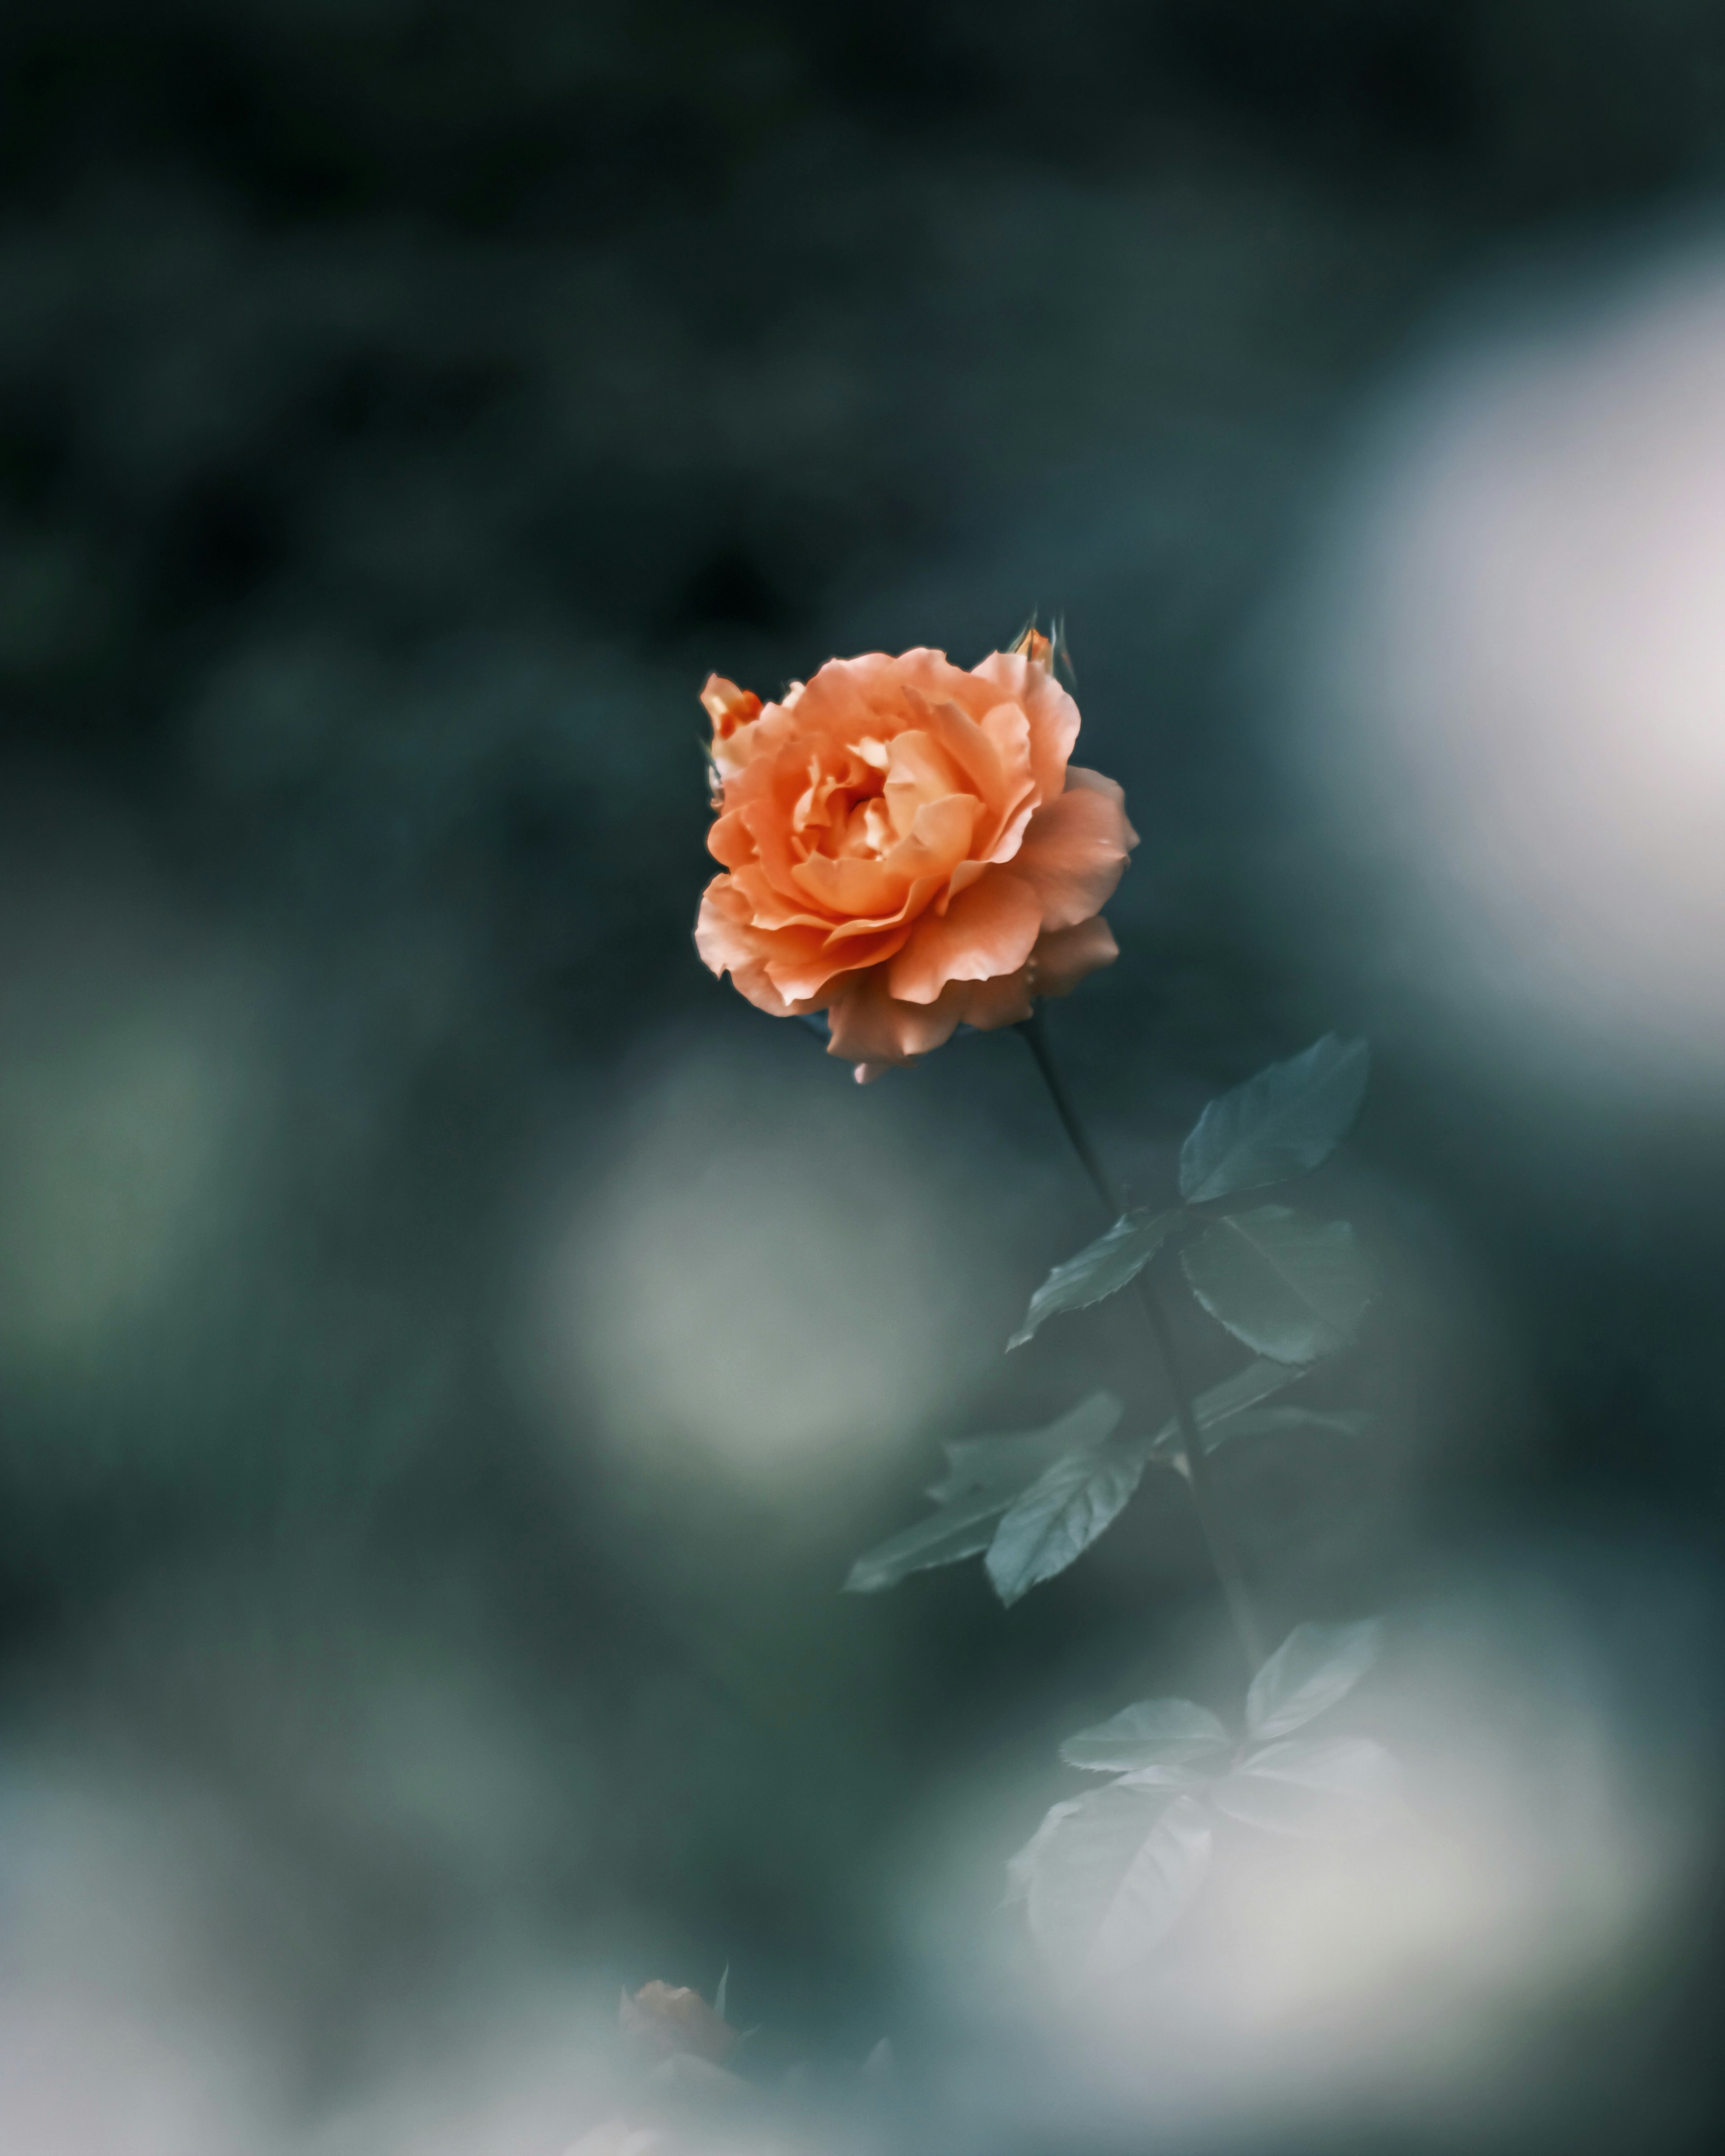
{"points": [[908, 848]]}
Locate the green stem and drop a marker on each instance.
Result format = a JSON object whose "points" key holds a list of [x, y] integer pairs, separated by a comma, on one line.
{"points": [[1219, 1539]]}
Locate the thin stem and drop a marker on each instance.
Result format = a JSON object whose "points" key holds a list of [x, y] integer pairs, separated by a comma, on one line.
{"points": [[1218, 1538]]}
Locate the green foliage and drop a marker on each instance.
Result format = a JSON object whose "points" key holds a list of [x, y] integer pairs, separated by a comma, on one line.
{"points": [[1291, 1289], [1101, 1269], [1326, 1788], [1215, 1408], [1012, 1463], [963, 1529], [1169, 1739], [1060, 1516], [1284, 1122], [1106, 1876], [1286, 1286], [1284, 1419], [1314, 1667], [985, 1477]]}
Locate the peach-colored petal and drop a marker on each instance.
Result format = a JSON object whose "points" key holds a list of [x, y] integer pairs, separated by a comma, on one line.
{"points": [[1095, 783], [989, 1004], [733, 712], [1052, 713], [727, 945], [871, 1025], [921, 893], [938, 839], [800, 967], [989, 929], [841, 693], [727, 705], [971, 749], [721, 926], [919, 771], [731, 842], [1064, 957], [1072, 854], [847, 889]]}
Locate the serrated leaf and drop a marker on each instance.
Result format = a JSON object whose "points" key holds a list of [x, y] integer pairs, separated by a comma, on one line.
{"points": [[1316, 1665], [1010, 1465], [1218, 1405], [1060, 1516], [1169, 1738], [1288, 1286], [1108, 1876], [1101, 1268], [958, 1530], [1323, 1789], [1284, 1122]]}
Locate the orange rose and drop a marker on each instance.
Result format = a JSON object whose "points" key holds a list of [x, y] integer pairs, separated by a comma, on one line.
{"points": [[907, 850]]}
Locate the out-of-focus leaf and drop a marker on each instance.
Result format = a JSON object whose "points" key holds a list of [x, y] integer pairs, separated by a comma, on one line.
{"points": [[964, 1528], [1010, 1465], [1101, 1269], [1160, 1883], [1218, 1405], [1284, 1122], [1289, 1421], [1021, 1869], [986, 1476], [1060, 1515], [1107, 1877], [1168, 1738], [1314, 1666], [1289, 1287], [1324, 1788]]}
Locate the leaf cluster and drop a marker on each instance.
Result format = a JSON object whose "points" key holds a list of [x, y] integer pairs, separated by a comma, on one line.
{"points": [[1107, 1875], [1290, 1288]]}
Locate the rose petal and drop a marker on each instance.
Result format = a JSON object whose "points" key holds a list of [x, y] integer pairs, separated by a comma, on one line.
{"points": [[1052, 713], [919, 771], [1093, 781], [989, 1005], [870, 1025], [1073, 853], [852, 888], [989, 929], [1064, 957], [938, 839], [800, 970]]}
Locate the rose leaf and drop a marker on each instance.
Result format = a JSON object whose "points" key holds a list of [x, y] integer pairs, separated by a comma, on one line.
{"points": [[1060, 1516], [963, 1529], [1101, 1269], [1284, 1122], [1169, 1737], [1214, 1409], [1288, 1286], [1108, 1876], [1316, 1665], [986, 1477], [1010, 1465], [1323, 1789]]}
